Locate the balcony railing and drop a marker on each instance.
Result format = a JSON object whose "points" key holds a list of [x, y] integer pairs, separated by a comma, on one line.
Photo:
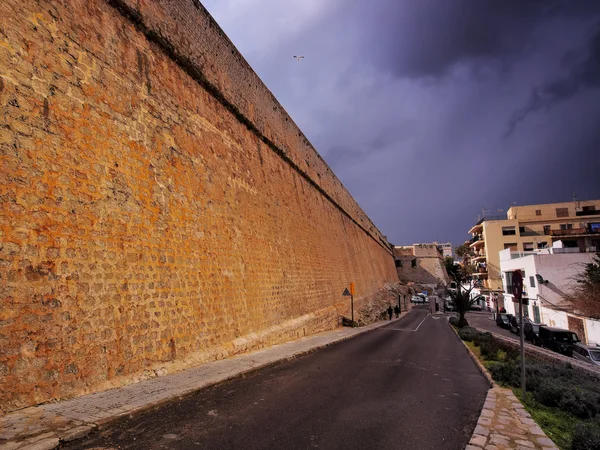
{"points": [[568, 232], [474, 239], [588, 213]]}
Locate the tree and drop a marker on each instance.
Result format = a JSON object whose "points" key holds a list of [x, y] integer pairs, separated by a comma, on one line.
{"points": [[585, 296], [462, 295], [464, 251], [463, 301]]}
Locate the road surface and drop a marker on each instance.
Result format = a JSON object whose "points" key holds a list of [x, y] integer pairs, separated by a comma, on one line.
{"points": [[408, 385], [483, 320]]}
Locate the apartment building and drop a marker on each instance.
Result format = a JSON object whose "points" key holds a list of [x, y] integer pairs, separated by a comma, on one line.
{"points": [[445, 248], [529, 228]]}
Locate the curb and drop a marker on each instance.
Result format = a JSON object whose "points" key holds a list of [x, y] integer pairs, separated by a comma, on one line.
{"points": [[480, 366]]}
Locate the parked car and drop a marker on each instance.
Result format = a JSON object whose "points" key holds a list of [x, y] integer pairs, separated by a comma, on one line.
{"points": [[587, 353], [475, 307], [417, 299], [532, 332], [515, 326], [558, 340], [503, 320]]}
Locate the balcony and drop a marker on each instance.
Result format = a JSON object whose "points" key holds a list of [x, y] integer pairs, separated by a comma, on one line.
{"points": [[567, 232], [476, 241], [587, 213], [478, 257]]}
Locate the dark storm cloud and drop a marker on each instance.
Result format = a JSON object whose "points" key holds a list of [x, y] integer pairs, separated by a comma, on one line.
{"points": [[431, 36], [583, 73]]}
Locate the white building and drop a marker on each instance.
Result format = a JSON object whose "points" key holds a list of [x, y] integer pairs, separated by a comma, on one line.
{"points": [[547, 275]]}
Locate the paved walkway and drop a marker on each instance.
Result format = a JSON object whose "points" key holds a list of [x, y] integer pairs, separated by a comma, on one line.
{"points": [[44, 427], [504, 424]]}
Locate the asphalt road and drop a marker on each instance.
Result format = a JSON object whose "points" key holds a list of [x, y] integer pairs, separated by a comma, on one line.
{"points": [[483, 320], [408, 385]]}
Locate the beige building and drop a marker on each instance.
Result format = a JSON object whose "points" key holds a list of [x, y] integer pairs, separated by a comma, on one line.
{"points": [[529, 228]]}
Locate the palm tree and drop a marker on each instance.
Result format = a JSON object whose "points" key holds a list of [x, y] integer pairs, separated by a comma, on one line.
{"points": [[463, 301]]}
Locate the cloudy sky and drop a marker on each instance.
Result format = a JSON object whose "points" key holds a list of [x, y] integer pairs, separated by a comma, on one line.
{"points": [[430, 110]]}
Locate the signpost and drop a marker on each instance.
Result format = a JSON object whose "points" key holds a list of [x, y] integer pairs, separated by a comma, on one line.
{"points": [[350, 293], [517, 287]]}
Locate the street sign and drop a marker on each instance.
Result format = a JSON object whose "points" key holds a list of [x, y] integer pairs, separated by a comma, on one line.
{"points": [[352, 288], [517, 284], [346, 293]]}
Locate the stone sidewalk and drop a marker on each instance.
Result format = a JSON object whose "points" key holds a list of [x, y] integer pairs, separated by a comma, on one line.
{"points": [[504, 424], [44, 427]]}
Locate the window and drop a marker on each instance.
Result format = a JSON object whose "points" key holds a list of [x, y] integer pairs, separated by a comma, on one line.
{"points": [[562, 212], [538, 212], [509, 281], [509, 289], [512, 246], [527, 246], [521, 230], [532, 281], [413, 263], [398, 263], [542, 245], [589, 208], [508, 231], [566, 226], [546, 229]]}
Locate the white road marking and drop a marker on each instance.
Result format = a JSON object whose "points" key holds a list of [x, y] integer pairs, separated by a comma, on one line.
{"points": [[404, 329]]}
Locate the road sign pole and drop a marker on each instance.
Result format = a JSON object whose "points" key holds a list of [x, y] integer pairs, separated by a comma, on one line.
{"points": [[352, 306], [523, 388], [517, 287]]}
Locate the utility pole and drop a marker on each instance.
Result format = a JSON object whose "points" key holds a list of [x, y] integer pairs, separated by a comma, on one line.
{"points": [[517, 284]]}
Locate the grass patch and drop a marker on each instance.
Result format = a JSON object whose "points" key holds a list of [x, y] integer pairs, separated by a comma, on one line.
{"points": [[476, 350], [558, 425]]}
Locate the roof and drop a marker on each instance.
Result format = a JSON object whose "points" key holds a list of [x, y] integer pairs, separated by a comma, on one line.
{"points": [[557, 329]]}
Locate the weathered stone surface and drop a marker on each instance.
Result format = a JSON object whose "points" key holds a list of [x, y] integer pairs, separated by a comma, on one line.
{"points": [[153, 216], [76, 433], [478, 440], [506, 428], [44, 444]]}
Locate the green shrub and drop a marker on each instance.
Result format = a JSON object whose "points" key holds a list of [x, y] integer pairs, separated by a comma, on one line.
{"points": [[468, 333], [505, 372], [489, 348], [586, 436], [549, 393], [453, 321], [580, 403]]}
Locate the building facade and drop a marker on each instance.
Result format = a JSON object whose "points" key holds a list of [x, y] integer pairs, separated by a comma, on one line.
{"points": [[547, 275], [527, 229], [445, 248], [422, 264]]}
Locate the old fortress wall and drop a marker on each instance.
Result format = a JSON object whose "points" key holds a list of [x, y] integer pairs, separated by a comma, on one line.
{"points": [[158, 207]]}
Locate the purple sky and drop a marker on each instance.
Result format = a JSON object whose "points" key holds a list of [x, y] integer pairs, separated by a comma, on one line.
{"points": [[430, 110]]}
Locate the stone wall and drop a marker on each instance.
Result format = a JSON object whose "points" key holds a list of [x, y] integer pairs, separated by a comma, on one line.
{"points": [[420, 264], [542, 354], [158, 207]]}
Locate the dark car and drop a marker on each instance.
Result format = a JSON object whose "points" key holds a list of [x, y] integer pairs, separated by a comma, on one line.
{"points": [[532, 332], [503, 320], [515, 326], [558, 340]]}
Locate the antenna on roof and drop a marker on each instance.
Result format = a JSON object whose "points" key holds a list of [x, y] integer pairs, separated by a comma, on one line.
{"points": [[577, 201]]}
